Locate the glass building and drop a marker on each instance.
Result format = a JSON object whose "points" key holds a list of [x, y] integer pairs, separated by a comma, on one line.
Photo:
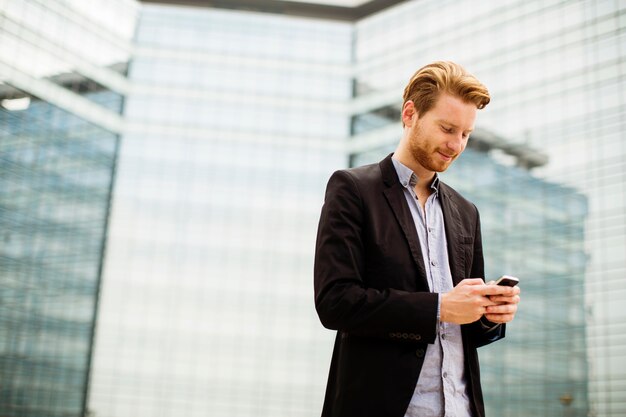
{"points": [[234, 122], [61, 93], [555, 72]]}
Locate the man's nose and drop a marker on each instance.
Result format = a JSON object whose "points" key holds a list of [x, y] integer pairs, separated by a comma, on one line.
{"points": [[456, 144]]}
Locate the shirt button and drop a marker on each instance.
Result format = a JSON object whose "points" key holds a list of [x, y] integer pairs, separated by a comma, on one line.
{"points": [[443, 336], [433, 263], [419, 353], [445, 374]]}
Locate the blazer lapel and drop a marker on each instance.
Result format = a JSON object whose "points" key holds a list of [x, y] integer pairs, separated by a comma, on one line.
{"points": [[394, 193], [452, 222]]}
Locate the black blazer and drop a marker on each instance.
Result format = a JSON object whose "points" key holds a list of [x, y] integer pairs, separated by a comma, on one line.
{"points": [[371, 286]]}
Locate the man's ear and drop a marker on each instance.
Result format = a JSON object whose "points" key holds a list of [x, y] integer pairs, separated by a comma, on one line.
{"points": [[408, 111]]}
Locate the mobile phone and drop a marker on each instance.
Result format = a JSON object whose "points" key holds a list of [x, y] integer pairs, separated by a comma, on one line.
{"points": [[507, 280]]}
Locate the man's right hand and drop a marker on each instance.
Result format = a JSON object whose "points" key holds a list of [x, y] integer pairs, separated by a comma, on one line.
{"points": [[467, 302]]}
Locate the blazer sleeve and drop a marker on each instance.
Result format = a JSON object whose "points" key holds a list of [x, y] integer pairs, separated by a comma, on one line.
{"points": [[342, 299], [482, 331]]}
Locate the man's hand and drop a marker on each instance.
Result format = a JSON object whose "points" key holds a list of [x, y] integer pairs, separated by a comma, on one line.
{"points": [[505, 308], [472, 298]]}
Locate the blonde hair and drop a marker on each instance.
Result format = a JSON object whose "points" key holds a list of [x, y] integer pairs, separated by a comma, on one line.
{"points": [[439, 77]]}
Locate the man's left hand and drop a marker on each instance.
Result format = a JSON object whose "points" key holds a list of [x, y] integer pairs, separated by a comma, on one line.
{"points": [[505, 311]]}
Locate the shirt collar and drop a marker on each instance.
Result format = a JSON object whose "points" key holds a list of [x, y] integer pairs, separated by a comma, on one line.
{"points": [[408, 178]]}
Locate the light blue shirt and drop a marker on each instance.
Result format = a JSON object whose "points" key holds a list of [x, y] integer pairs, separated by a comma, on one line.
{"points": [[441, 389]]}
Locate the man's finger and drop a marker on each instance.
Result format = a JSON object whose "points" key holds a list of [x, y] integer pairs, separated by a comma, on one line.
{"points": [[502, 309], [499, 290], [504, 299]]}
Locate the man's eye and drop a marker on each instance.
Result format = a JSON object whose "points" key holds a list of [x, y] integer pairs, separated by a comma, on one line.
{"points": [[446, 129]]}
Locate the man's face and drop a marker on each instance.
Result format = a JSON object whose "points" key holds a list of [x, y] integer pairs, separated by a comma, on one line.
{"points": [[440, 135]]}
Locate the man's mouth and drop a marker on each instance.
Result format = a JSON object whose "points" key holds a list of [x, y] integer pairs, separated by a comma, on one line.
{"points": [[445, 157]]}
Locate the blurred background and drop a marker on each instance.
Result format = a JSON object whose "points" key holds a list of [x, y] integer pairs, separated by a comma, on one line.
{"points": [[163, 166]]}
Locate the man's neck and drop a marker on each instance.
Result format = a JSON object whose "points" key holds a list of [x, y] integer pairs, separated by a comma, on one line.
{"points": [[424, 176]]}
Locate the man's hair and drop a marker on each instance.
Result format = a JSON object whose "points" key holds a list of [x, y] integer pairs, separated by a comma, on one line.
{"points": [[439, 77]]}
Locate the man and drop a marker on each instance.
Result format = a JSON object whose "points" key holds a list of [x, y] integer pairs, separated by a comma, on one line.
{"points": [[399, 267]]}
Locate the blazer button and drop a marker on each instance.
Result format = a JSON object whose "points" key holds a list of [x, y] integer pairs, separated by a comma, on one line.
{"points": [[419, 353]]}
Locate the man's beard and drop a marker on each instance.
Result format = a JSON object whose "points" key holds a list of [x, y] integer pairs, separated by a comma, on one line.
{"points": [[427, 157]]}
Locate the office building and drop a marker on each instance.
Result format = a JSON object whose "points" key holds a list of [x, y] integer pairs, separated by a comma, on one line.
{"points": [[62, 71], [234, 122], [554, 70]]}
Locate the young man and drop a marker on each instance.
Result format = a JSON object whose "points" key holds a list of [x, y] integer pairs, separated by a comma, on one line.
{"points": [[399, 267]]}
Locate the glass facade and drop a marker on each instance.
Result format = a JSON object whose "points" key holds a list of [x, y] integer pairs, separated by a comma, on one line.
{"points": [[58, 147], [235, 121], [54, 192], [554, 70]]}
